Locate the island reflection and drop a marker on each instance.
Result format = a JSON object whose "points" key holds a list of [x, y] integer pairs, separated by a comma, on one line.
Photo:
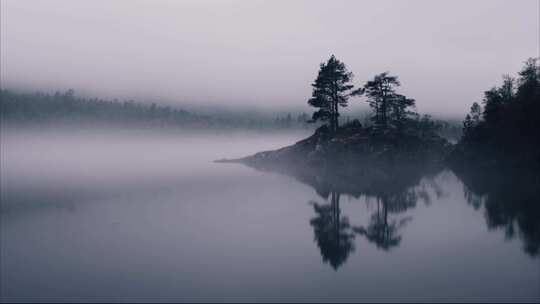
{"points": [[509, 203]]}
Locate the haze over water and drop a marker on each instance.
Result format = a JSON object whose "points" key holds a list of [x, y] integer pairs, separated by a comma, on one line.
{"points": [[139, 216], [130, 133]]}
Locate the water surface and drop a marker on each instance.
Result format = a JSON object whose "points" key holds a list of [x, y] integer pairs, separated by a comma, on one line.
{"points": [[127, 216]]}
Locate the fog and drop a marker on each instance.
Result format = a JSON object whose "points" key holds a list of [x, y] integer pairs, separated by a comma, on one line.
{"points": [[112, 192], [263, 54], [58, 163], [116, 215]]}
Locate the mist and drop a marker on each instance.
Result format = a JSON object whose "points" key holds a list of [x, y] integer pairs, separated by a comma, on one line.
{"points": [[68, 165], [107, 214], [263, 54], [269, 151]]}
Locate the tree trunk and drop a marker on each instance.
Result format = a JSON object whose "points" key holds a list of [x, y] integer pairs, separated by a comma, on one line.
{"points": [[335, 107]]}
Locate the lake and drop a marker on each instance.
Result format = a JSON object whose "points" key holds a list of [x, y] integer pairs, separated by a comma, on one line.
{"points": [[147, 216]]}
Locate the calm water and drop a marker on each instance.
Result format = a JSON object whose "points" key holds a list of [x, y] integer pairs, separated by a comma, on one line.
{"points": [[94, 216]]}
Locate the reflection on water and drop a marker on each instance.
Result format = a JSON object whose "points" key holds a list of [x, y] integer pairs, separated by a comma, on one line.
{"points": [[333, 233], [335, 236], [119, 219], [382, 232], [510, 199]]}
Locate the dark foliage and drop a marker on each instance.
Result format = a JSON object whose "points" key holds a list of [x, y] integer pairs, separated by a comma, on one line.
{"points": [[333, 233], [507, 131], [390, 108], [331, 90], [498, 156]]}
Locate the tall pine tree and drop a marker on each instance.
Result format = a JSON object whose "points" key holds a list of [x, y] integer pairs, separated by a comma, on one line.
{"points": [[390, 107], [331, 90]]}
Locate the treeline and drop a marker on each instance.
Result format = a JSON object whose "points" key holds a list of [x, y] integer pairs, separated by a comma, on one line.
{"points": [[505, 129], [392, 112], [67, 108]]}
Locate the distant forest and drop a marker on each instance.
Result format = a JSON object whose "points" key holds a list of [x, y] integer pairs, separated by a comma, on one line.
{"points": [[67, 108], [61, 108]]}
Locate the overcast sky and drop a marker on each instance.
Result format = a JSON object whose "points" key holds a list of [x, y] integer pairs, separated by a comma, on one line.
{"points": [[264, 53]]}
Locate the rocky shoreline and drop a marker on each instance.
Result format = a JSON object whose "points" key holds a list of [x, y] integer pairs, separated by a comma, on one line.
{"points": [[355, 159]]}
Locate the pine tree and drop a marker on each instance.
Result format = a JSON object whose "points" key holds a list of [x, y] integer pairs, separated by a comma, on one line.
{"points": [[331, 90], [496, 100], [467, 124], [390, 107], [476, 113], [399, 105], [379, 92]]}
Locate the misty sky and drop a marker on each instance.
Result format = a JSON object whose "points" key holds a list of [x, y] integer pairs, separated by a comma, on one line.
{"points": [[264, 53]]}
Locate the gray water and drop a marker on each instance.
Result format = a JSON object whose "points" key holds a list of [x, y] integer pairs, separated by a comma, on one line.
{"points": [[127, 216]]}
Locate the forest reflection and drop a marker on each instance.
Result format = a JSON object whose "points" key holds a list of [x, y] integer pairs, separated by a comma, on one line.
{"points": [[510, 199], [335, 235], [509, 203]]}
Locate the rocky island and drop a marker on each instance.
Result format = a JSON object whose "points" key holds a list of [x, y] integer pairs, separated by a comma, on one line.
{"points": [[355, 159], [399, 146], [396, 146]]}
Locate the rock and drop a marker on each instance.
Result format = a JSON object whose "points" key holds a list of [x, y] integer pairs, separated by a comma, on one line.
{"points": [[354, 151]]}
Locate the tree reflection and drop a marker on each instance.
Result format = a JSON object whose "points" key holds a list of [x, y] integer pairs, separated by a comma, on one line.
{"points": [[333, 233], [335, 236], [381, 231], [394, 195], [511, 201], [396, 189], [509, 197]]}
